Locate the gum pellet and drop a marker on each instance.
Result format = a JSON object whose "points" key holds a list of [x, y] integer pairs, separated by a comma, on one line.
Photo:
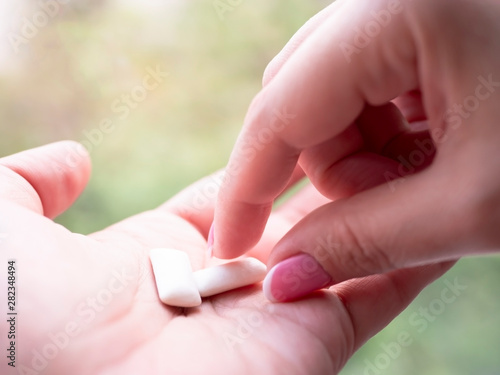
{"points": [[174, 278], [228, 276]]}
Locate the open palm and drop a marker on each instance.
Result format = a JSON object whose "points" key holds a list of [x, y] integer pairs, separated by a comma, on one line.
{"points": [[88, 304]]}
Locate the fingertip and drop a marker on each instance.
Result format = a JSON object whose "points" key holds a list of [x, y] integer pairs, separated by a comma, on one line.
{"points": [[228, 247], [295, 277], [58, 173], [71, 168], [232, 247], [237, 228], [76, 156]]}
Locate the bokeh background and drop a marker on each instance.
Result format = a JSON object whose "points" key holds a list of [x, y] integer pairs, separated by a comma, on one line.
{"points": [[61, 78]]}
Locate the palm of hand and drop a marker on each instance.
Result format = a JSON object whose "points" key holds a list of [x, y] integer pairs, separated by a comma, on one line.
{"points": [[88, 304]]}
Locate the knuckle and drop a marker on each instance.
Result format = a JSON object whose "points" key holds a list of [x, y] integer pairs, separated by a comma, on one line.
{"points": [[356, 253]]}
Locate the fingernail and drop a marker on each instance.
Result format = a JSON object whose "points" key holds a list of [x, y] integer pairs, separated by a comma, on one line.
{"points": [[210, 241], [295, 277]]}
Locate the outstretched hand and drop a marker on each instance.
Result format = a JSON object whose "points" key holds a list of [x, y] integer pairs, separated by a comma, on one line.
{"points": [[88, 304]]}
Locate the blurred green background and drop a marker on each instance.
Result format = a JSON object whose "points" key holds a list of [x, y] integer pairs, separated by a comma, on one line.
{"points": [[69, 75]]}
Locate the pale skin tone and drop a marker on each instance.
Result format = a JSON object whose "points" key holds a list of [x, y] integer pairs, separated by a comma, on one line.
{"points": [[426, 60], [61, 274], [433, 66]]}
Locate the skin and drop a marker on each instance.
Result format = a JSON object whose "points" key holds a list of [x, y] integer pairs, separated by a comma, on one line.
{"points": [[62, 276], [355, 121]]}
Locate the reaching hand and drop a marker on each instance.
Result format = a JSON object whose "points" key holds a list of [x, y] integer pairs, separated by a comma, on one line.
{"points": [[392, 106], [88, 304]]}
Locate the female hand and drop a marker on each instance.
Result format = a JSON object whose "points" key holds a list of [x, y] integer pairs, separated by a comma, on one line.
{"points": [[88, 304], [391, 105]]}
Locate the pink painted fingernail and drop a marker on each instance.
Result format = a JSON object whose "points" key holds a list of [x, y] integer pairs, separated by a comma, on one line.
{"points": [[210, 241], [295, 277]]}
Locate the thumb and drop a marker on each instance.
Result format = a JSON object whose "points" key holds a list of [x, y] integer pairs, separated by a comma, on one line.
{"points": [[46, 179], [375, 231]]}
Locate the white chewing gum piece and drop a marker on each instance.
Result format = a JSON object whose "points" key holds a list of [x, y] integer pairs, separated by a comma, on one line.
{"points": [[228, 276], [174, 278]]}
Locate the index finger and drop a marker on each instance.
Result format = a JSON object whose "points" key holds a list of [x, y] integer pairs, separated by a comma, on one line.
{"points": [[318, 92]]}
